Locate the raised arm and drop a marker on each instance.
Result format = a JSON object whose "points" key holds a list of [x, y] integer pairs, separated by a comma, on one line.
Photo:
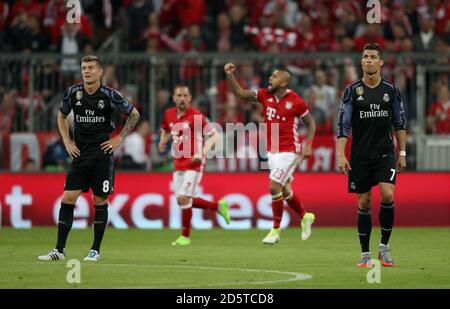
{"points": [[234, 85]]}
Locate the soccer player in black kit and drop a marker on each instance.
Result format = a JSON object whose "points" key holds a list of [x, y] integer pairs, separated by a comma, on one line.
{"points": [[370, 107], [92, 151]]}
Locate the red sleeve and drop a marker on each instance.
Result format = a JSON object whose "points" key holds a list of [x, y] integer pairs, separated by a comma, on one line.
{"points": [[164, 124], [300, 107], [260, 95]]}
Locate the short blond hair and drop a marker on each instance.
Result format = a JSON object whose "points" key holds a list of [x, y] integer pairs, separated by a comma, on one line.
{"points": [[89, 58]]}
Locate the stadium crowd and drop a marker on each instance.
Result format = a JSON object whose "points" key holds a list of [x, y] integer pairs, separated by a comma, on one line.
{"points": [[195, 26]]}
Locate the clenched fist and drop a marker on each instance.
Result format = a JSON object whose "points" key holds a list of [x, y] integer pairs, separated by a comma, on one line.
{"points": [[229, 68]]}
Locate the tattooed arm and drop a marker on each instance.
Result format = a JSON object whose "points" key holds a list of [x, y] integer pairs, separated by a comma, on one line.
{"points": [[112, 144]]}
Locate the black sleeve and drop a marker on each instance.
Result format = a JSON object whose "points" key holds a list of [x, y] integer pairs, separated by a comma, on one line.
{"points": [[66, 105], [121, 103], [345, 114], [398, 111]]}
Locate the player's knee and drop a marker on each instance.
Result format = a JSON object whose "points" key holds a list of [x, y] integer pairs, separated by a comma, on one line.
{"points": [[275, 188], [100, 200], [69, 198], [387, 197], [364, 203], [183, 200], [286, 192]]}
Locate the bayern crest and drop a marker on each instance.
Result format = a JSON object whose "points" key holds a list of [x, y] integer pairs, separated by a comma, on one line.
{"points": [[288, 105], [386, 97], [101, 104]]}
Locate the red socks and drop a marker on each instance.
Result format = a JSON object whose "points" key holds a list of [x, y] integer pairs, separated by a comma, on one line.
{"points": [[186, 216], [295, 204], [204, 204], [277, 210]]}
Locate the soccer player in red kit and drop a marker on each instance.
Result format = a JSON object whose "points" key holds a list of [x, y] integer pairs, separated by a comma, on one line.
{"points": [[283, 109], [185, 125]]}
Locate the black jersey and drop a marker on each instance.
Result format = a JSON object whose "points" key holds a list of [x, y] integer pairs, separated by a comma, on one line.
{"points": [[371, 113], [92, 114]]}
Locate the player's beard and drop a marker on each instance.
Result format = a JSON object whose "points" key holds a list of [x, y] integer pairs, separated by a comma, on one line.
{"points": [[271, 89], [182, 107]]}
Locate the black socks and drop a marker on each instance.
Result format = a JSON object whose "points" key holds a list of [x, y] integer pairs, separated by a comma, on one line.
{"points": [[65, 221], [364, 228], [386, 221], [100, 223]]}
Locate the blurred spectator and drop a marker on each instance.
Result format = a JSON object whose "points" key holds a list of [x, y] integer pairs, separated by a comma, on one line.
{"points": [[371, 35], [102, 15], [283, 11], [223, 33], [138, 13], [36, 40], [56, 157], [9, 115], [446, 33], [426, 40], [27, 8], [72, 42], [238, 38], [109, 77], [134, 152], [438, 115], [193, 40], [178, 14], [322, 121], [4, 13], [398, 18], [84, 27], [324, 95], [162, 103], [323, 31], [30, 165], [306, 39]]}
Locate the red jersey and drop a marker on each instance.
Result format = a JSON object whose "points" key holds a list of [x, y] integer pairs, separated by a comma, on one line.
{"points": [[285, 112], [178, 126], [442, 126]]}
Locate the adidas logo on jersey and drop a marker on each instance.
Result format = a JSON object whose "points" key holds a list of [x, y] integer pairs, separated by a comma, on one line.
{"points": [[360, 98], [78, 103]]}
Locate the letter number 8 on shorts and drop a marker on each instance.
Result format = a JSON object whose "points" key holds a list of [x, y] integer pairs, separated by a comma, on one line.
{"points": [[106, 186]]}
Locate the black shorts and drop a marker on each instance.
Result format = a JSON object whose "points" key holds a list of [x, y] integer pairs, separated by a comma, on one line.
{"points": [[362, 177], [92, 171]]}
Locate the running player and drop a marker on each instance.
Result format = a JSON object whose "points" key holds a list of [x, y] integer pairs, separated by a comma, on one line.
{"points": [[283, 109]]}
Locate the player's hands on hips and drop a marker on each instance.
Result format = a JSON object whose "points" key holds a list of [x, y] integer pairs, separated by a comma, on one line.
{"points": [[196, 160], [401, 164], [112, 144], [229, 68], [343, 165], [306, 151], [72, 149]]}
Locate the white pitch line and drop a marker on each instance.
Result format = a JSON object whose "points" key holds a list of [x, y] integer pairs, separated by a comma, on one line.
{"points": [[295, 276]]}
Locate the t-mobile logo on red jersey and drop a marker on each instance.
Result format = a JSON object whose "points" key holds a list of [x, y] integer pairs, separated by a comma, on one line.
{"points": [[271, 113]]}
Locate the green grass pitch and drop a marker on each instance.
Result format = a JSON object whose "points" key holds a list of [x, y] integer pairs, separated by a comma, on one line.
{"points": [[225, 259]]}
